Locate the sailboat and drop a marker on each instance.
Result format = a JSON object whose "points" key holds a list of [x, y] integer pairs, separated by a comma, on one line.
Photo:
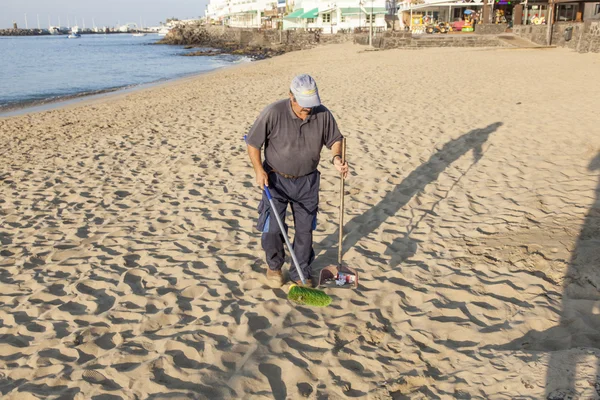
{"points": [[139, 32], [74, 33]]}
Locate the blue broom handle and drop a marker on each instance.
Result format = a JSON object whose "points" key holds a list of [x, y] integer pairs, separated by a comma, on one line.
{"points": [[287, 241]]}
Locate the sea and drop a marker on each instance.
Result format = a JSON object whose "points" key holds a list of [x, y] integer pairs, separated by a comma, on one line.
{"points": [[37, 70]]}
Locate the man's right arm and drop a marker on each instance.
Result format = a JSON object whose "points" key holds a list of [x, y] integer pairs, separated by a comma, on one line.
{"points": [[257, 136], [262, 179]]}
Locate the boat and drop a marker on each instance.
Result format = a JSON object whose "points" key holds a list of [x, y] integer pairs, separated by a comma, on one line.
{"points": [[139, 32], [74, 33], [163, 31]]}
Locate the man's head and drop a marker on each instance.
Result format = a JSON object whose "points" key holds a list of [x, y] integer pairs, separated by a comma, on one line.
{"points": [[304, 91]]}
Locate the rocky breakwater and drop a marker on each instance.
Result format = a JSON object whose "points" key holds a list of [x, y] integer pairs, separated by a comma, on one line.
{"points": [[257, 44], [23, 32]]}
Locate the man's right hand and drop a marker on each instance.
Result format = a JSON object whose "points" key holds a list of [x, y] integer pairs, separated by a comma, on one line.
{"points": [[262, 178]]}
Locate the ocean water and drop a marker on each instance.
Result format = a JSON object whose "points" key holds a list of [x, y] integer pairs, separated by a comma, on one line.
{"points": [[40, 69]]}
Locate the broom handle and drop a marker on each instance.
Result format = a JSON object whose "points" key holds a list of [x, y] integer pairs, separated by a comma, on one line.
{"points": [[341, 224], [283, 232]]}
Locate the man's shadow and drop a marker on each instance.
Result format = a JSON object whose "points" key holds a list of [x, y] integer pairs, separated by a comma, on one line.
{"points": [[403, 246], [579, 325]]}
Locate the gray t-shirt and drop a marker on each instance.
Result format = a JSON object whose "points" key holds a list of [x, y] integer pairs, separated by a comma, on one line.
{"points": [[293, 146]]}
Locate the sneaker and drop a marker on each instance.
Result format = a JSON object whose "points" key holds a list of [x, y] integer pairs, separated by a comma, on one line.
{"points": [[275, 277]]}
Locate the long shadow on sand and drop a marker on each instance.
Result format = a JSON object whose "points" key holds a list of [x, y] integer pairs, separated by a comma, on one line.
{"points": [[579, 326], [403, 247]]}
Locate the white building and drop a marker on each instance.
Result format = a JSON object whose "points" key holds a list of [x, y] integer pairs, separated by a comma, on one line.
{"points": [[326, 15], [332, 17]]}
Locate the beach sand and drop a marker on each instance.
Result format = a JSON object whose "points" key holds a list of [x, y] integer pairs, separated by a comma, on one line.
{"points": [[131, 267]]}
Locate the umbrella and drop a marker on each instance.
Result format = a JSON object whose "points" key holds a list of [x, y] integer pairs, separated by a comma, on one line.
{"points": [[469, 12]]}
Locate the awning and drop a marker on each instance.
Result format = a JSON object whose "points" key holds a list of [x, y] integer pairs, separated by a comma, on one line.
{"points": [[375, 10], [296, 14], [310, 14], [351, 11], [325, 11]]}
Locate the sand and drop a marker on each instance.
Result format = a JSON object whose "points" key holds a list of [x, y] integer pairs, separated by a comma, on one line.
{"points": [[131, 268]]}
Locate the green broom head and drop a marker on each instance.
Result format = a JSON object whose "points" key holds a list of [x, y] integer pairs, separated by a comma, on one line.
{"points": [[308, 296]]}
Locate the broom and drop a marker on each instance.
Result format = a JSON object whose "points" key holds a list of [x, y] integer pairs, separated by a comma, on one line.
{"points": [[298, 294]]}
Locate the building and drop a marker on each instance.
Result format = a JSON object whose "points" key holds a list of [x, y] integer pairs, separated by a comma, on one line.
{"points": [[333, 17], [419, 13], [325, 15]]}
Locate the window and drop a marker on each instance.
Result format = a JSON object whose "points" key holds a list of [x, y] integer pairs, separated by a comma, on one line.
{"points": [[369, 16], [310, 20], [327, 18], [567, 12], [343, 18], [597, 11]]}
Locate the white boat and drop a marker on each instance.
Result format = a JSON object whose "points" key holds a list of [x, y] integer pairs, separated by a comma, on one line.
{"points": [[139, 32], [74, 33], [163, 31]]}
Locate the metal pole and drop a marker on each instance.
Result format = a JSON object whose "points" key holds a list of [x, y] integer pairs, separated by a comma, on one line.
{"points": [[38, 19], [371, 26], [550, 22], [26, 26]]}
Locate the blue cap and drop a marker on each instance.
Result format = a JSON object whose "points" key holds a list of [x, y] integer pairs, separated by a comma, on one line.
{"points": [[304, 89]]}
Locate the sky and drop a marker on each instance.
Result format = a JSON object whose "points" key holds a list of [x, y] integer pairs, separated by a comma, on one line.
{"points": [[104, 12]]}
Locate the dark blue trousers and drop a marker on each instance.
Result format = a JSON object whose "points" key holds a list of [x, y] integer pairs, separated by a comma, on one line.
{"points": [[303, 195]]}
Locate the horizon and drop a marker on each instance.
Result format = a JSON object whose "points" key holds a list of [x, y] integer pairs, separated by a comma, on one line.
{"points": [[109, 13]]}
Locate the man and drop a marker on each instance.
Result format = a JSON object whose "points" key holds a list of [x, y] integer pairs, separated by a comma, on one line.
{"points": [[293, 132]]}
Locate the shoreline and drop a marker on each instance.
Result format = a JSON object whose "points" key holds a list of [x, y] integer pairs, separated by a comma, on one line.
{"points": [[34, 107]]}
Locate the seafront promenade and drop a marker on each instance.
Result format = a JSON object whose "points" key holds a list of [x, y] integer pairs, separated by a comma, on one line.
{"points": [[131, 266]]}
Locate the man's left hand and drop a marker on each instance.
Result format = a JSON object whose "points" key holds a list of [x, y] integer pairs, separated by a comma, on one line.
{"points": [[342, 168]]}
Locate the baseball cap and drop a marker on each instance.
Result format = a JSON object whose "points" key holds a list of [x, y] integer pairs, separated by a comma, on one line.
{"points": [[304, 89]]}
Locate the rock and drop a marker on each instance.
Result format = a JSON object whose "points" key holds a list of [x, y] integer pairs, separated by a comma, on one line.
{"points": [[23, 32]]}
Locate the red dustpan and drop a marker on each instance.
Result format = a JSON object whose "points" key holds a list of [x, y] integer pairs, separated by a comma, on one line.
{"points": [[340, 275]]}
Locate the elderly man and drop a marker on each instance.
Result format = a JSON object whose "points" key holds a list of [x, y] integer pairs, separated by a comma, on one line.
{"points": [[293, 132]]}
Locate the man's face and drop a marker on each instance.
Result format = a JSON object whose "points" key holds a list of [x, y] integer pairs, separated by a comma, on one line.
{"points": [[303, 111]]}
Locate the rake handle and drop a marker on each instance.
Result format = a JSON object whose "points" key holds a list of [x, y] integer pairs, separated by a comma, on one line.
{"points": [[283, 232], [341, 220]]}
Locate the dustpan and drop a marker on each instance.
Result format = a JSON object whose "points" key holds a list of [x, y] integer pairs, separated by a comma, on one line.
{"points": [[331, 276]]}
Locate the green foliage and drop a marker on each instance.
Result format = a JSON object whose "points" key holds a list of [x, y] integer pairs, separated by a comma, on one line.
{"points": [[308, 296]]}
